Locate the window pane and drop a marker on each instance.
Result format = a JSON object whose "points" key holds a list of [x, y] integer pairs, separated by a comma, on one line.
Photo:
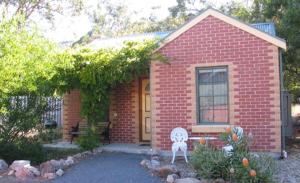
{"points": [[220, 101], [220, 75], [220, 115], [213, 95], [220, 89], [205, 75], [205, 90], [206, 116], [206, 102]]}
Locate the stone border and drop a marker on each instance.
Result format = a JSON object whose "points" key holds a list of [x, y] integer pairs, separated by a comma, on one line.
{"points": [[51, 169]]}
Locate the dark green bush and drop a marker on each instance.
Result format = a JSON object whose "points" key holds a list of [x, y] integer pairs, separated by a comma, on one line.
{"points": [[212, 163], [88, 141], [22, 149]]}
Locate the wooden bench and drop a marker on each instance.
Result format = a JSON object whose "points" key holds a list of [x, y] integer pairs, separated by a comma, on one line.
{"points": [[102, 128]]}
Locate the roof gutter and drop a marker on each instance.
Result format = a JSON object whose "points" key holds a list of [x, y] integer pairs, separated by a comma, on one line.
{"points": [[283, 152]]}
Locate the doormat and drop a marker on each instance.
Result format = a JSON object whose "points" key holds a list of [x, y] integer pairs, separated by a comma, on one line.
{"points": [[144, 145]]}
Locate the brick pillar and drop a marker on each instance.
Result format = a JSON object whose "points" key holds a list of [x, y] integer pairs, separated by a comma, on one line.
{"points": [[71, 112]]}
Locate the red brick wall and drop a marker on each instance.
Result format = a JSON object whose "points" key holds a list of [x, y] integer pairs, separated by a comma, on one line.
{"points": [[124, 114], [254, 74], [71, 112]]}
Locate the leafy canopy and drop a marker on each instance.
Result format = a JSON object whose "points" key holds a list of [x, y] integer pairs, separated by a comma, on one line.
{"points": [[96, 73]]}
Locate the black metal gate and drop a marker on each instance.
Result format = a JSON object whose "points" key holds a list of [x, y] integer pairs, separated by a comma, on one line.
{"points": [[53, 115]]}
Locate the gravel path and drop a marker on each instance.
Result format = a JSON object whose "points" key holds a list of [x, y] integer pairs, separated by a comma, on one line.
{"points": [[104, 168], [288, 169], [109, 168]]}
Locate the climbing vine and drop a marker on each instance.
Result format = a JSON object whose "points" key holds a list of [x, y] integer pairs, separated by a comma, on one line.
{"points": [[96, 73]]}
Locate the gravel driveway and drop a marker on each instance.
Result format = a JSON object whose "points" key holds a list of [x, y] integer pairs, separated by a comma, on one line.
{"points": [[104, 168], [109, 168]]}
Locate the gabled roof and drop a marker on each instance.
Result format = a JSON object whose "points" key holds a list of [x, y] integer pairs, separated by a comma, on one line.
{"points": [[259, 30]]}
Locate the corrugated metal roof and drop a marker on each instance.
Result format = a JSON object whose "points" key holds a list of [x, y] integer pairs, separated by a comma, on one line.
{"points": [[118, 42], [266, 27]]}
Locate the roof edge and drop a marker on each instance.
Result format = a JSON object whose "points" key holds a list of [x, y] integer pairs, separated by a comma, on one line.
{"points": [[281, 43]]}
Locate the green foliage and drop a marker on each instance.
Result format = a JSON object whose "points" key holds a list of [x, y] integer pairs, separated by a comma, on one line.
{"points": [[46, 9], [26, 60], [212, 163], [96, 73], [20, 117], [88, 141], [22, 148], [50, 135]]}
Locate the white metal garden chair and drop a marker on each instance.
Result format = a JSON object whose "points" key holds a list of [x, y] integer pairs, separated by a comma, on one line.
{"points": [[229, 148], [179, 136]]}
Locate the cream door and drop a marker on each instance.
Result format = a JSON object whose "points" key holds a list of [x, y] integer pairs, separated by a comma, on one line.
{"points": [[146, 108]]}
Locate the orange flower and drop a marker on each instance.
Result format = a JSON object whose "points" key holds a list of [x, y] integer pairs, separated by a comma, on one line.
{"points": [[252, 173], [202, 141], [245, 162], [228, 130], [235, 137]]}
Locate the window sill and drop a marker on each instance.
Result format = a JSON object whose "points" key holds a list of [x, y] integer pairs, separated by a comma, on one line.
{"points": [[209, 128]]}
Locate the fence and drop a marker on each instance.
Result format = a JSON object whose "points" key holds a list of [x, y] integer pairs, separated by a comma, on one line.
{"points": [[54, 114]]}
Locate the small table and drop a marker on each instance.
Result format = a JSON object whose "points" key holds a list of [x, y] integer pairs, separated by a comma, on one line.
{"points": [[207, 139]]}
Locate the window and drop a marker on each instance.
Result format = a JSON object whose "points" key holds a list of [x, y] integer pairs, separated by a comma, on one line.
{"points": [[212, 95]]}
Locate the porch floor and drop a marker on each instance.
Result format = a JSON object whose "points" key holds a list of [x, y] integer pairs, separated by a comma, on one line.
{"points": [[128, 148], [114, 147]]}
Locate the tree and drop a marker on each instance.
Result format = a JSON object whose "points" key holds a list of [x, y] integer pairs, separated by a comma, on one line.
{"points": [[285, 14], [45, 8], [187, 9]]}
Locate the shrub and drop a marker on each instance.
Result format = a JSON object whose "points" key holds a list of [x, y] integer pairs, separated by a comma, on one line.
{"points": [[239, 167], [22, 149], [89, 141], [50, 135]]}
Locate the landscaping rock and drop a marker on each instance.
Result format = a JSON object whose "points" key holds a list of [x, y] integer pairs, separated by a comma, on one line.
{"points": [[171, 178], [187, 180], [155, 164], [3, 165], [11, 172], [57, 164], [23, 173], [166, 170], [33, 170], [59, 172], [18, 164], [155, 157], [49, 175], [146, 163], [47, 167], [97, 151], [69, 161], [192, 174], [77, 156]]}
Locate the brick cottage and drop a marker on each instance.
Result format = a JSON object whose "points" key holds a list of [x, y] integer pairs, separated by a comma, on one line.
{"points": [[221, 73]]}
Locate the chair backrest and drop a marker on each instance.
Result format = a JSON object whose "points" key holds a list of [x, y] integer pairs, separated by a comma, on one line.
{"points": [[179, 135], [238, 131]]}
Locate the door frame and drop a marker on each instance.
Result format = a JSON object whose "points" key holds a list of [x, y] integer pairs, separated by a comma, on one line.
{"points": [[140, 110]]}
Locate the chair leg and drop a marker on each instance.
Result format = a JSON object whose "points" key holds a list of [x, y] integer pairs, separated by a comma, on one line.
{"points": [[174, 155], [185, 157]]}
